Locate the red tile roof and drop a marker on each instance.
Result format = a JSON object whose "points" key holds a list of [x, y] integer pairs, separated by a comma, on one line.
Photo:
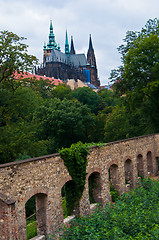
{"points": [[38, 77]]}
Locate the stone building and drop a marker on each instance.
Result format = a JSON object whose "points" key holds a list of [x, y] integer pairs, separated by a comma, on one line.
{"points": [[68, 65]]}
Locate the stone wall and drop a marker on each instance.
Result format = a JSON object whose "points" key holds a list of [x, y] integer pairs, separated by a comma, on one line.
{"points": [[45, 176]]}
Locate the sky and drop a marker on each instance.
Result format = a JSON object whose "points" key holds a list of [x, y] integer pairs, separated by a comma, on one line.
{"points": [[106, 20]]}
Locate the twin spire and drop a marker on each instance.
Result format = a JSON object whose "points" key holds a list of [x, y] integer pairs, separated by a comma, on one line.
{"points": [[53, 45], [72, 49]]}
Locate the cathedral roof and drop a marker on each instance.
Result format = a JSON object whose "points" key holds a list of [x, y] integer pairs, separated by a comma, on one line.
{"points": [[57, 56], [75, 60], [78, 60]]}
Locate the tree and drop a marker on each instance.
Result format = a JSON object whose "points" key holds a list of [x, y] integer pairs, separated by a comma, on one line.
{"points": [[138, 76], [121, 123], [140, 55], [65, 122], [134, 216], [13, 56], [62, 91], [18, 130], [88, 97], [141, 64]]}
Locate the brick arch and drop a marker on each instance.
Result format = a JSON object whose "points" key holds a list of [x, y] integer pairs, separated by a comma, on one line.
{"points": [[92, 170], [128, 157], [41, 196], [114, 162], [64, 181], [33, 192], [95, 185], [139, 153], [66, 192]]}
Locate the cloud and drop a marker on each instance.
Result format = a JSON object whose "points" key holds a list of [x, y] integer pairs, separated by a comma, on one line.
{"points": [[106, 20]]}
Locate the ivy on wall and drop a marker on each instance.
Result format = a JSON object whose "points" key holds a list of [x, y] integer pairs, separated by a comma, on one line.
{"points": [[75, 159]]}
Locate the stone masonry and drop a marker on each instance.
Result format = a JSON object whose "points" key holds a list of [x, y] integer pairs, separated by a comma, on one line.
{"points": [[120, 162]]}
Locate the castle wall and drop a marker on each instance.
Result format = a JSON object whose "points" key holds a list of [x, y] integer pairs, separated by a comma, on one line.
{"points": [[45, 176]]}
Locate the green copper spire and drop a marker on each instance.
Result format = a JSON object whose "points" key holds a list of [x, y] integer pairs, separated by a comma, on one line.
{"points": [[67, 46], [52, 44]]}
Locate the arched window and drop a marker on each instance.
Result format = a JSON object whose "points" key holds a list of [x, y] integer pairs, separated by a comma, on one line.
{"points": [[95, 188], [35, 209]]}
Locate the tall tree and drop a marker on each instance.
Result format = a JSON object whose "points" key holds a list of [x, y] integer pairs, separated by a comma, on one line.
{"points": [[139, 55], [65, 122], [138, 76], [13, 56]]}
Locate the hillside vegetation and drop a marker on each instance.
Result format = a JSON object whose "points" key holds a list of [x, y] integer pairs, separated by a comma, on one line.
{"points": [[37, 118], [134, 216]]}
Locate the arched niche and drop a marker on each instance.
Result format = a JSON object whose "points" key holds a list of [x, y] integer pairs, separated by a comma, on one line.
{"points": [[149, 164], [128, 173], [114, 182], [114, 176], [140, 167], [95, 188]]}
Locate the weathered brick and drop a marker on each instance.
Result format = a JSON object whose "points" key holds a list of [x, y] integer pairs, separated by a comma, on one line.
{"points": [[45, 176]]}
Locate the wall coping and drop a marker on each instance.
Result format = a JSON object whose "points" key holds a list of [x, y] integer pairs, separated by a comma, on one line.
{"points": [[58, 154], [41, 237]]}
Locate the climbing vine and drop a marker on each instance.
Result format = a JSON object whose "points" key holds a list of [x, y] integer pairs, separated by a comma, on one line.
{"points": [[75, 159]]}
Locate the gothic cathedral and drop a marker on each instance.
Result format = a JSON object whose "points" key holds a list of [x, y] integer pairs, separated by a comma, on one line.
{"points": [[68, 65]]}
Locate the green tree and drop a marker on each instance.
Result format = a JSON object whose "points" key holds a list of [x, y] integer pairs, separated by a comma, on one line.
{"points": [[137, 78], [13, 56], [43, 87], [88, 97], [18, 130], [108, 98], [62, 91], [122, 123], [65, 122]]}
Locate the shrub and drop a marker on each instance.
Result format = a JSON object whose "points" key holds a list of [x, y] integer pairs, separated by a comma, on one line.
{"points": [[31, 230], [134, 216]]}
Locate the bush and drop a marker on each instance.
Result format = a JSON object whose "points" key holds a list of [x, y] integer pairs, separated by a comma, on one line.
{"points": [[31, 230], [134, 216]]}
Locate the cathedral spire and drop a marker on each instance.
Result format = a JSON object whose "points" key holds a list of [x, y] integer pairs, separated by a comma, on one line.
{"points": [[90, 54], [52, 44], [90, 43], [67, 46], [72, 50], [51, 27]]}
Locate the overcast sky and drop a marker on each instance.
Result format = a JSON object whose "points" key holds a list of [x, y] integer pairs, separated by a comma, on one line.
{"points": [[106, 20]]}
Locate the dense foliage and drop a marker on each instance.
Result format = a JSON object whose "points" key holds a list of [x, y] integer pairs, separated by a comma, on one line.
{"points": [[37, 118], [13, 56], [137, 78], [75, 159], [134, 216]]}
